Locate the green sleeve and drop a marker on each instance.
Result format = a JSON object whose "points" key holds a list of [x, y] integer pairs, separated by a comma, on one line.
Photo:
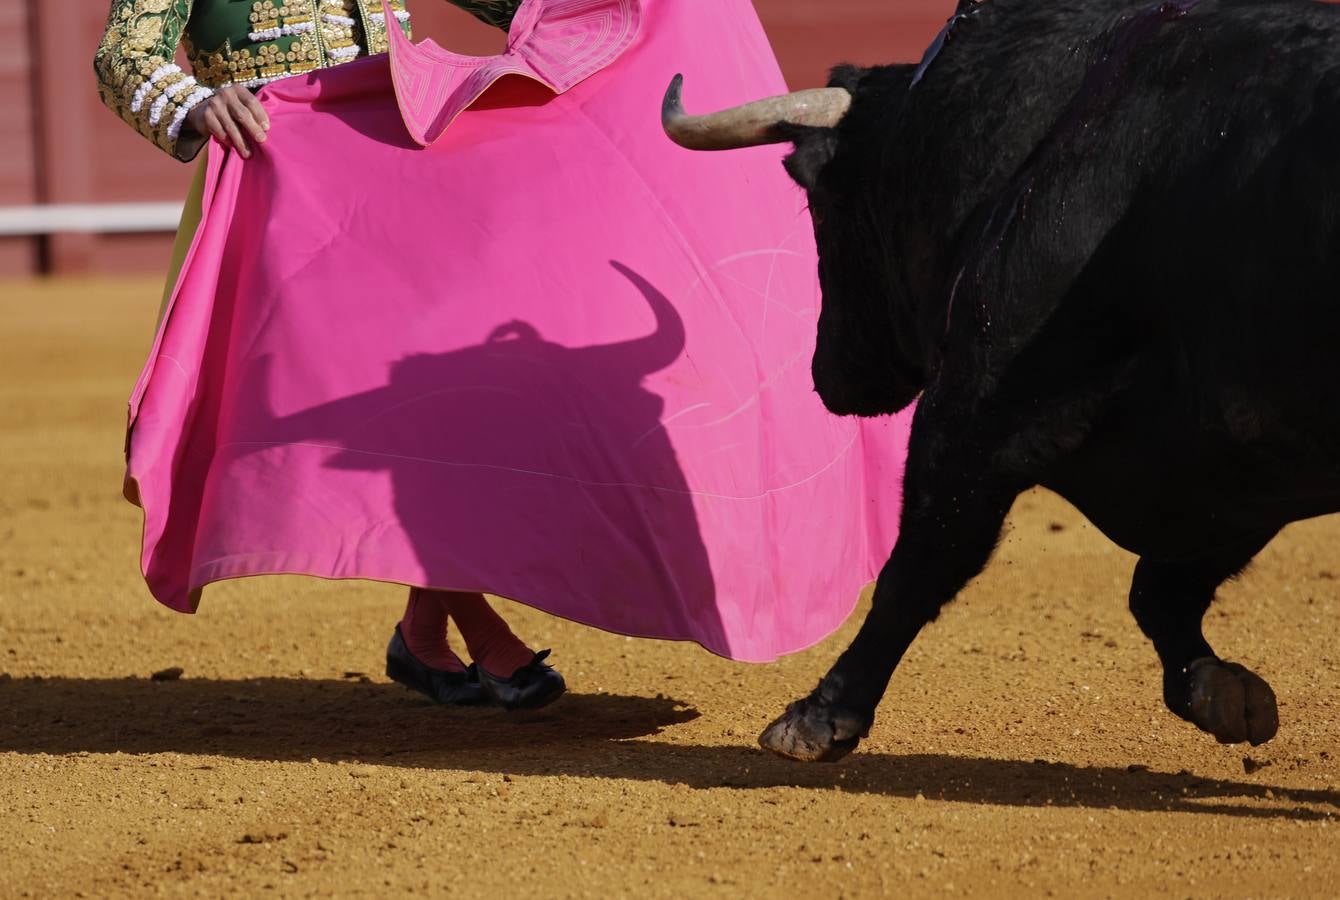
{"points": [[495, 12], [137, 78]]}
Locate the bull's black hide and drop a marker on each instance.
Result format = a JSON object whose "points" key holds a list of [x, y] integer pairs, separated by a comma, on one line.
{"points": [[1101, 242]]}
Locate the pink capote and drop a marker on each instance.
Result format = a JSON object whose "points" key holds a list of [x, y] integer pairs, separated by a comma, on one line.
{"points": [[551, 356]]}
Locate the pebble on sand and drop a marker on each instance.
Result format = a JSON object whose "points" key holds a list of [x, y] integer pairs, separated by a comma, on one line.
{"points": [[1251, 766], [172, 673]]}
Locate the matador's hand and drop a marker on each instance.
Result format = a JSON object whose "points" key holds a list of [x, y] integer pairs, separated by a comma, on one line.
{"points": [[232, 115]]}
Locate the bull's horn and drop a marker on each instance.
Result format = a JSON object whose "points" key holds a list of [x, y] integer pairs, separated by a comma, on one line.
{"points": [[752, 124]]}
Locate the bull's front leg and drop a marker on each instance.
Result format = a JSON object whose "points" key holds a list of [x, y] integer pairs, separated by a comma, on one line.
{"points": [[953, 511], [1169, 600]]}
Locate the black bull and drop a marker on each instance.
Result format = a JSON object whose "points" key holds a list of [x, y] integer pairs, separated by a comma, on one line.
{"points": [[1101, 243]]}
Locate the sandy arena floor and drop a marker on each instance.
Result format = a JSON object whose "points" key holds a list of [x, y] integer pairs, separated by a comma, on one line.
{"points": [[1022, 750]]}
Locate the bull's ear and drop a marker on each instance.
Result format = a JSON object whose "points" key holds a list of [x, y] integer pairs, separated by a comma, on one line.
{"points": [[847, 76], [815, 149]]}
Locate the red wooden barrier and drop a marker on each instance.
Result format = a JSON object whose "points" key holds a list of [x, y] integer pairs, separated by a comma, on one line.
{"points": [[18, 151]]}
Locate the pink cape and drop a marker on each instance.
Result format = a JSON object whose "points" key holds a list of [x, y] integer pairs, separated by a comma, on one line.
{"points": [[551, 356]]}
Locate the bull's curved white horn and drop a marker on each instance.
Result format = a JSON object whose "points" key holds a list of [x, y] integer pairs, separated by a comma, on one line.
{"points": [[752, 124]]}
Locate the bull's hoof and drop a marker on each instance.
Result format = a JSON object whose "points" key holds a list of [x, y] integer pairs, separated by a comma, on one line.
{"points": [[1231, 702], [812, 732]]}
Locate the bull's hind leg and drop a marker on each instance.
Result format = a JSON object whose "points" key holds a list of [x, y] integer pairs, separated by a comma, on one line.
{"points": [[952, 517], [1169, 600]]}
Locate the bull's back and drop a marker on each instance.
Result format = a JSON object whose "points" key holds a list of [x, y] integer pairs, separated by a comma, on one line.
{"points": [[1229, 247], [1176, 178]]}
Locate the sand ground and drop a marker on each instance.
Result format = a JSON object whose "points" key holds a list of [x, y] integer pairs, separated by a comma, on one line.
{"points": [[1022, 750]]}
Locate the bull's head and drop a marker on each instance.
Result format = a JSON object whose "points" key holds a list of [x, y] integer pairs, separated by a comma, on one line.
{"points": [[867, 358]]}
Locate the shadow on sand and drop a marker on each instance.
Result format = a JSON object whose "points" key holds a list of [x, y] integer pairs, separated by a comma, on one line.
{"points": [[590, 735]]}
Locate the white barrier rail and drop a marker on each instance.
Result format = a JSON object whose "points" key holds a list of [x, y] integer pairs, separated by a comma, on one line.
{"points": [[88, 218]]}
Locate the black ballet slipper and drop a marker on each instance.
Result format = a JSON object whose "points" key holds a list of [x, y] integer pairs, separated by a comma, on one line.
{"points": [[533, 685], [447, 688]]}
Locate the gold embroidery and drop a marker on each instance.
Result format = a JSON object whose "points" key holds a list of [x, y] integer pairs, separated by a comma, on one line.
{"points": [[303, 55], [269, 61], [375, 30], [217, 68], [140, 41]]}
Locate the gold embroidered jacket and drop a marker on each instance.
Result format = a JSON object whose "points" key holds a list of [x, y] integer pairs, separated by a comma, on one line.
{"points": [[242, 42]]}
